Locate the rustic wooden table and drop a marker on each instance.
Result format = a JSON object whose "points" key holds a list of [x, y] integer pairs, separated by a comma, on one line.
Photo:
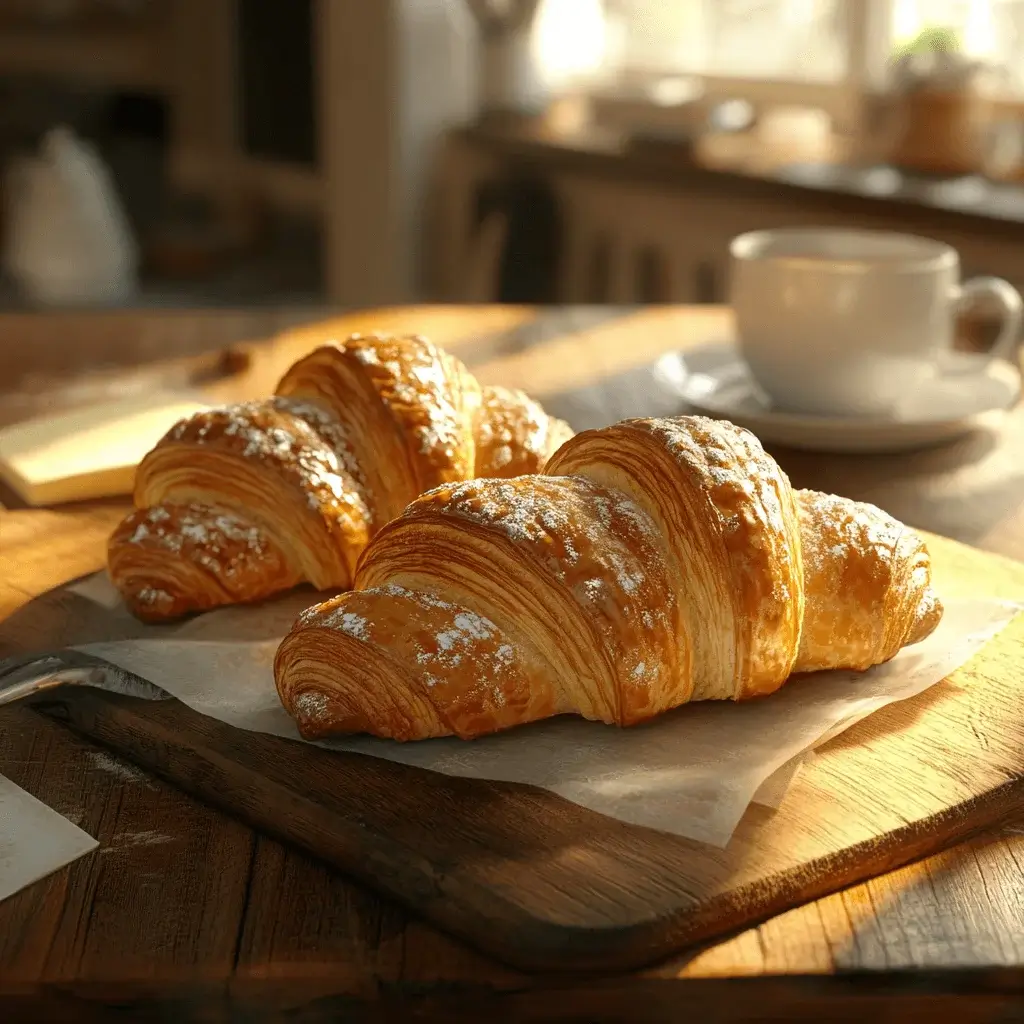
{"points": [[182, 906]]}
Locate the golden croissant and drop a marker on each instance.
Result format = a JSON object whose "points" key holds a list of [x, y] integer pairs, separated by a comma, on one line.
{"points": [[236, 504], [654, 562]]}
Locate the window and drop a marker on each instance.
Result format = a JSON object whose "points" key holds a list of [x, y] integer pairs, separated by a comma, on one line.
{"points": [[792, 39], [835, 45], [991, 30]]}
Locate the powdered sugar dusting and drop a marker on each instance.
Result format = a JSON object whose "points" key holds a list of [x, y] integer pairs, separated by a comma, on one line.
{"points": [[467, 644], [127, 840], [466, 626], [597, 542], [346, 622], [218, 540], [558, 516], [514, 435], [742, 478], [501, 456], [746, 489], [266, 432], [456, 651], [196, 524], [311, 706], [366, 356], [420, 597], [420, 385], [331, 430], [121, 769], [153, 597], [473, 624], [854, 545], [852, 528]]}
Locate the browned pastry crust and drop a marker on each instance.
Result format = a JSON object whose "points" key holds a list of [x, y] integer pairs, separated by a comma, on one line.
{"points": [[196, 557], [867, 581], [515, 436], [236, 504], [653, 563]]}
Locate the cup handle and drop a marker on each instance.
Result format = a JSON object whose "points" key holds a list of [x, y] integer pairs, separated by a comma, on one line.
{"points": [[1012, 308]]}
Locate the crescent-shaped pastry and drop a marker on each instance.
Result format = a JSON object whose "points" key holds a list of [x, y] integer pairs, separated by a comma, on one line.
{"points": [[653, 562], [236, 504]]}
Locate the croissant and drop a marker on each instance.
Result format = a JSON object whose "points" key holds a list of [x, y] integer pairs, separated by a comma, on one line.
{"points": [[236, 504], [654, 562]]}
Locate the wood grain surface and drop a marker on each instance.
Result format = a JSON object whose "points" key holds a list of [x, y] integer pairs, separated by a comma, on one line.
{"points": [[545, 885], [288, 920]]}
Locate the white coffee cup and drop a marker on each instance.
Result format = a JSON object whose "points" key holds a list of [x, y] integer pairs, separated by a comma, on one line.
{"points": [[841, 322]]}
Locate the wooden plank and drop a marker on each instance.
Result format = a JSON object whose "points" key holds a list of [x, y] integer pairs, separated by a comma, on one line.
{"points": [[544, 885]]}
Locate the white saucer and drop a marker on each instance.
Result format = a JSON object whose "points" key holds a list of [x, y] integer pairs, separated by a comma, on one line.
{"points": [[714, 381]]}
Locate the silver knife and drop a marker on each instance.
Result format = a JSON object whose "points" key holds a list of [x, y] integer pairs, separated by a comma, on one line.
{"points": [[21, 678]]}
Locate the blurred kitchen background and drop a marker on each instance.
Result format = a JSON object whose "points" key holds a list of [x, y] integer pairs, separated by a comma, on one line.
{"points": [[364, 152]]}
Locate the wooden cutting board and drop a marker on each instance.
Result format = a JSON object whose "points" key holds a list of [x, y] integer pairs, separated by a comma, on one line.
{"points": [[545, 885]]}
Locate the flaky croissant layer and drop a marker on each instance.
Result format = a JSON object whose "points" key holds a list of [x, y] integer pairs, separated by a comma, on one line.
{"points": [[236, 504], [653, 562]]}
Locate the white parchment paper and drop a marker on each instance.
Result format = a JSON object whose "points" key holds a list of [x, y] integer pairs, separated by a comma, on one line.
{"points": [[34, 840], [692, 772]]}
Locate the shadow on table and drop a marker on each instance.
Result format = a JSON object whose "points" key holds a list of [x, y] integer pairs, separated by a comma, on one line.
{"points": [[62, 618], [960, 908], [634, 392]]}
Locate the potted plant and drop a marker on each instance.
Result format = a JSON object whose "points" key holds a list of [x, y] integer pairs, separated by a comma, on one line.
{"points": [[939, 112]]}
